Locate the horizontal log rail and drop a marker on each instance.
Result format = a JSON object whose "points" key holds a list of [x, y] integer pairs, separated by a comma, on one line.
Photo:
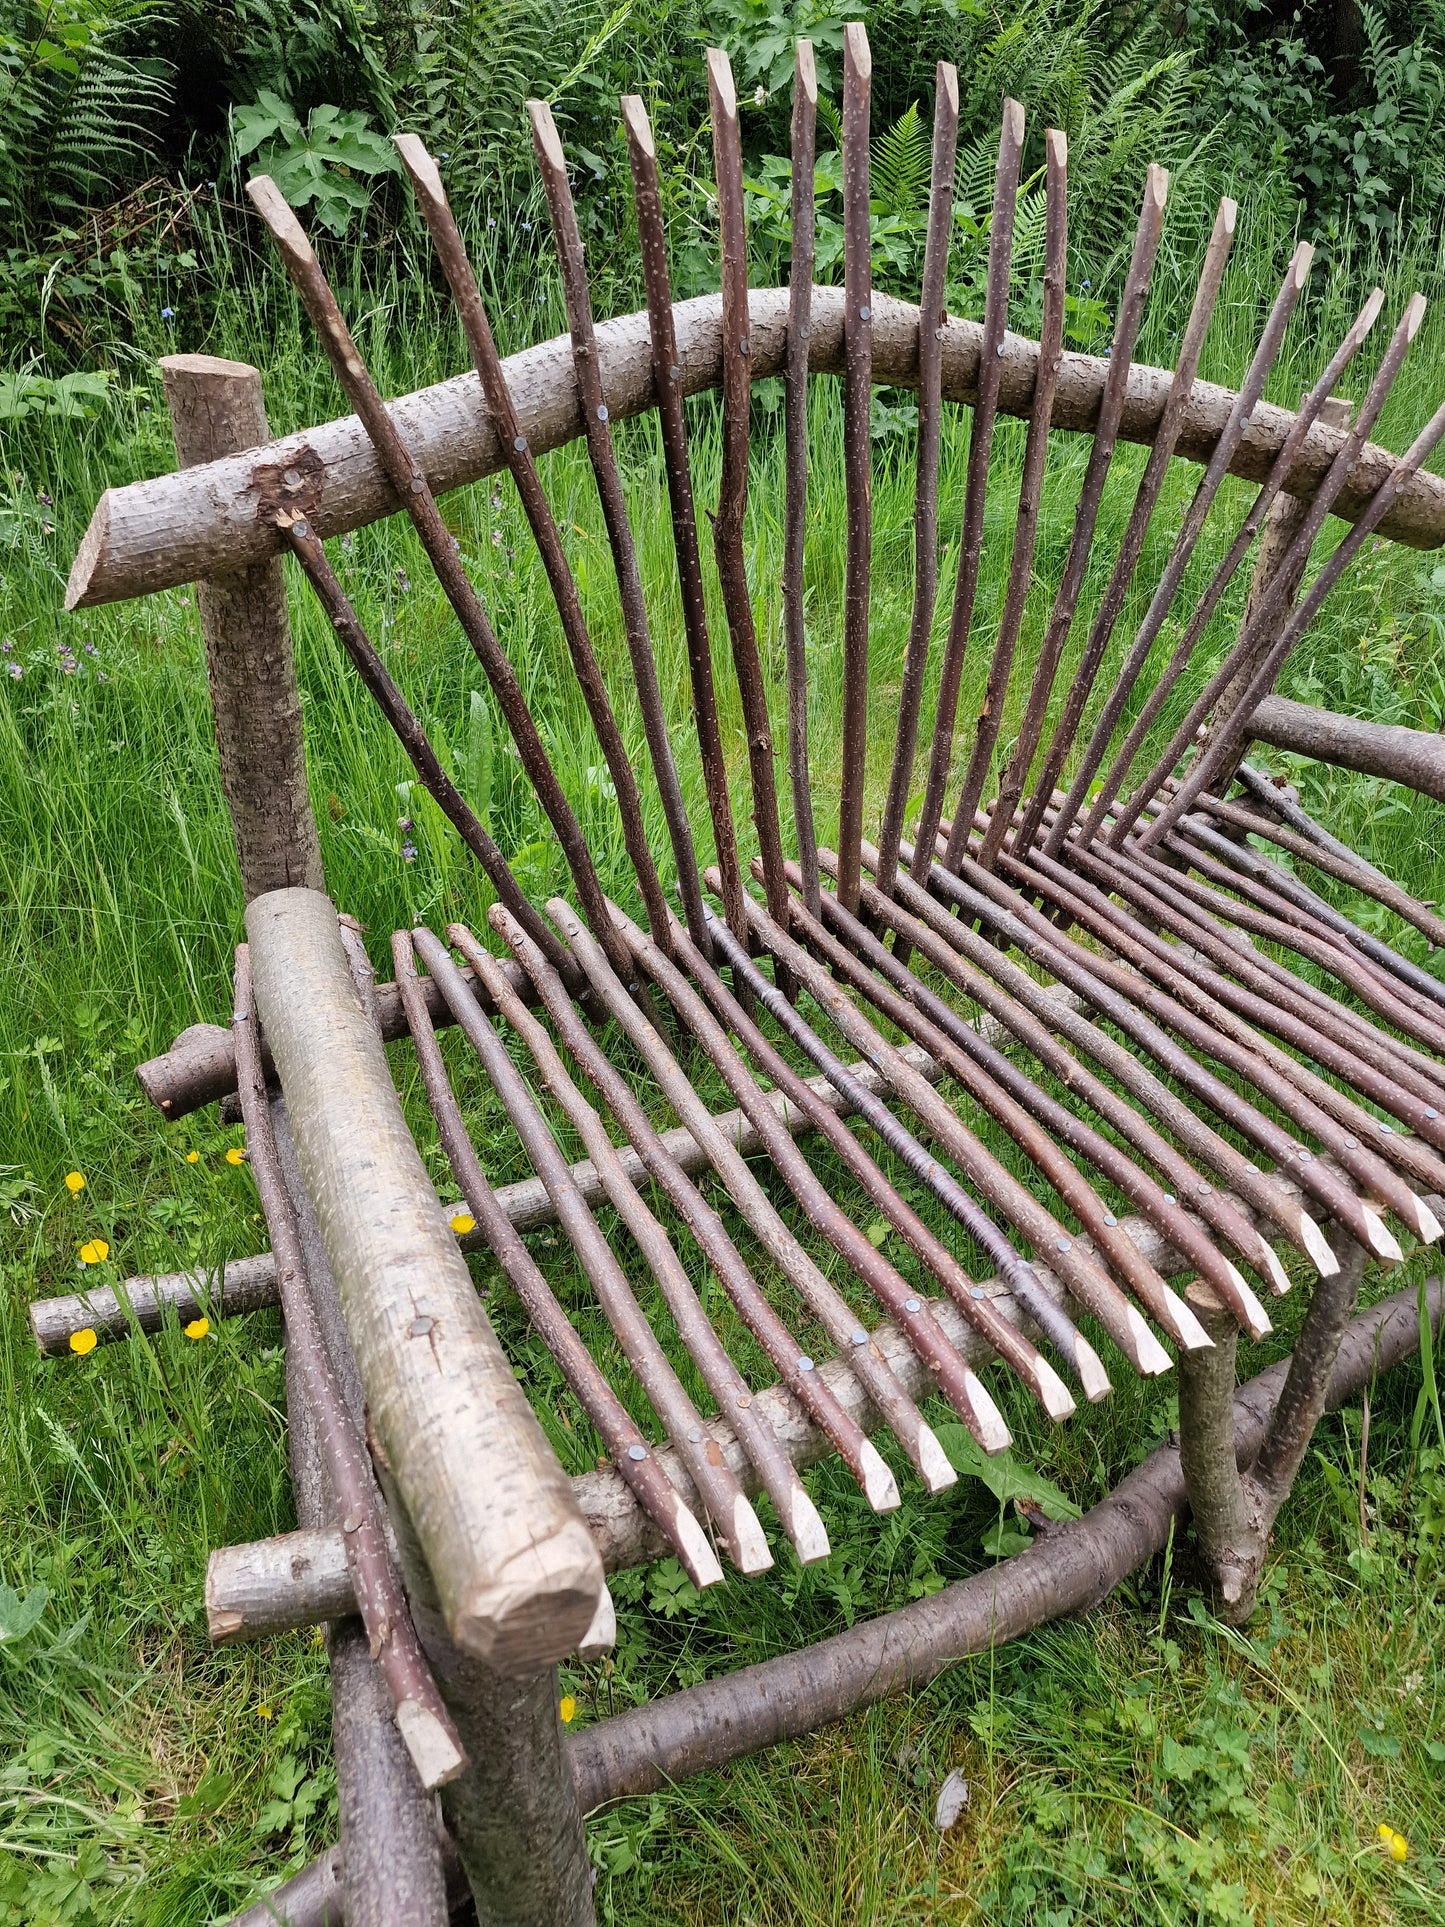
{"points": [[1415, 757], [219, 516]]}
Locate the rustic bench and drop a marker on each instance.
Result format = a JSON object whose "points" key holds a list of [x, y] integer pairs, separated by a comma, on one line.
{"points": [[1199, 1060]]}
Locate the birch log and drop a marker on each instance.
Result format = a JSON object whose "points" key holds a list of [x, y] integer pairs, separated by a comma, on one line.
{"points": [[176, 528], [517, 1576]]}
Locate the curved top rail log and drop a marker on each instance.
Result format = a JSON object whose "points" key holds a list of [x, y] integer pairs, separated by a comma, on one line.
{"points": [[219, 517]]}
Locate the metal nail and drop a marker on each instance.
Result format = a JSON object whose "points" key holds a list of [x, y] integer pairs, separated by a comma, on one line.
{"points": [[520, 444], [912, 1304], [602, 411], [637, 1453]]}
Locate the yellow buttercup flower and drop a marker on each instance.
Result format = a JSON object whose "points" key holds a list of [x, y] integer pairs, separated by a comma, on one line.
{"points": [[263, 1712], [463, 1222], [198, 1328], [193, 1157], [74, 1182], [235, 1155], [568, 1709], [83, 1341], [94, 1251], [1395, 1844]]}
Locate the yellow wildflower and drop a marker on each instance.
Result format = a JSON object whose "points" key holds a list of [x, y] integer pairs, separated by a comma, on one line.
{"points": [[1395, 1844], [568, 1709], [94, 1251], [83, 1341], [198, 1328], [235, 1155], [74, 1182], [463, 1222], [263, 1711], [193, 1157]]}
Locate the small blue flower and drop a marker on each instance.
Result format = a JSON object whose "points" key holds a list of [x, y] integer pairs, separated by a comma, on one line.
{"points": [[1088, 284], [16, 671], [408, 853], [168, 314], [526, 227]]}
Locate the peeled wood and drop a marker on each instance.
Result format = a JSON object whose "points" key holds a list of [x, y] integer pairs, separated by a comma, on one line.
{"points": [[1415, 757], [173, 529], [624, 1535], [516, 1572]]}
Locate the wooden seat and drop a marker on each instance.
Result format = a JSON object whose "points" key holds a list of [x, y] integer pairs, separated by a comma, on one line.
{"points": [[1177, 1056]]}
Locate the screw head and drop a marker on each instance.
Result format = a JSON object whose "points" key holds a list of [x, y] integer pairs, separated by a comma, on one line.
{"points": [[1109, 1218], [675, 372], [1064, 1244], [637, 1453], [912, 1304], [519, 442], [860, 1337], [865, 313], [1430, 1111], [1169, 1198], [602, 411], [805, 1364]]}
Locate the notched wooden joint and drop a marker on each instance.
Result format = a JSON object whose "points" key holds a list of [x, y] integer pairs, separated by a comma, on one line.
{"points": [[287, 491]]}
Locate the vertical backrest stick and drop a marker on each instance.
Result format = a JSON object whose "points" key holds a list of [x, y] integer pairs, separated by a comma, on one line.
{"points": [[857, 452], [795, 429]]}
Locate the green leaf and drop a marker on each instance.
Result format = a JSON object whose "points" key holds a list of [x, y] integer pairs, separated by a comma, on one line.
{"points": [[20, 1616], [1004, 1540], [878, 1232], [1005, 1476]]}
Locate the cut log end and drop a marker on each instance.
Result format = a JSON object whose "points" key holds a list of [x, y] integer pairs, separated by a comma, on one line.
{"points": [[435, 1755], [538, 1608], [88, 557]]}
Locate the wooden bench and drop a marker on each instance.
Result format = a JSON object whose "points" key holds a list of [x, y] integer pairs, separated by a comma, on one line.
{"points": [[1074, 934]]}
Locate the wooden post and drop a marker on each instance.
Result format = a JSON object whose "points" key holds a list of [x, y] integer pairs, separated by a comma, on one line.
{"points": [[502, 1573], [390, 1832], [217, 408]]}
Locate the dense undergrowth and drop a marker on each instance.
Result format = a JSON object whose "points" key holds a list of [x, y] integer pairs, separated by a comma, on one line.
{"points": [[1142, 1765]]}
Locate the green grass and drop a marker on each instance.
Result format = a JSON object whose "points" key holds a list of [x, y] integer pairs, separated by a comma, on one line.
{"points": [[1140, 1765]]}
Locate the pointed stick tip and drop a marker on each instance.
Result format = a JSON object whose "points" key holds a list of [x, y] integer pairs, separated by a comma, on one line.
{"points": [[639, 128], [720, 81], [1014, 122], [276, 211], [1370, 313], [1228, 215], [1056, 141], [1156, 187], [421, 168], [1414, 315], [946, 81], [545, 137], [805, 69], [857, 53]]}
